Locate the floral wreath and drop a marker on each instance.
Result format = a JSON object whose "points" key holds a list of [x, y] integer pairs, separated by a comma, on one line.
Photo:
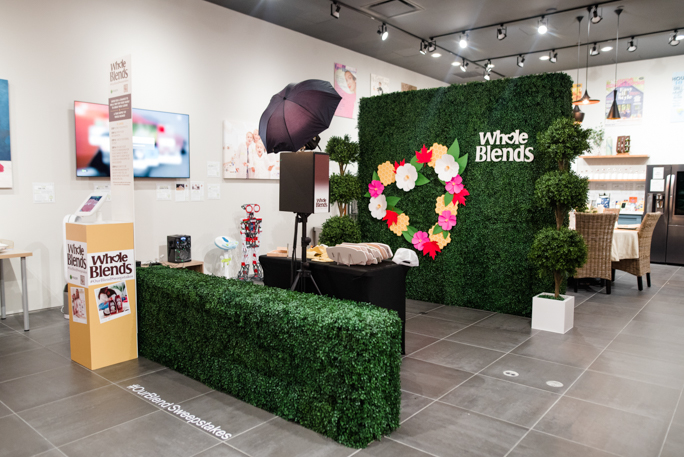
{"points": [[449, 167]]}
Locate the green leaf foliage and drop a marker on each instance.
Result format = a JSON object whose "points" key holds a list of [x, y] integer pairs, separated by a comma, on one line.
{"points": [[327, 364], [448, 198], [437, 230], [562, 143], [392, 201], [345, 188], [408, 236], [375, 176], [416, 165], [486, 265], [563, 188], [342, 150], [462, 163], [340, 229], [561, 250], [454, 150], [422, 180]]}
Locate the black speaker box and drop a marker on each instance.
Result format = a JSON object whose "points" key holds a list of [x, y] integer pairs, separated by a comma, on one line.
{"points": [[178, 248], [305, 182]]}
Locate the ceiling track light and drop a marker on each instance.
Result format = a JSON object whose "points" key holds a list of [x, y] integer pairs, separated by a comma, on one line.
{"points": [[553, 56], [674, 38], [501, 32], [335, 10], [543, 25], [432, 45], [489, 65], [614, 112], [464, 66], [521, 61], [595, 17], [631, 46], [423, 47], [594, 50], [382, 31], [486, 75], [463, 42]]}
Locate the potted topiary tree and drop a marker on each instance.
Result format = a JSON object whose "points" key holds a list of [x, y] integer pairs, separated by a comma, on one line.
{"points": [[344, 189], [559, 251]]}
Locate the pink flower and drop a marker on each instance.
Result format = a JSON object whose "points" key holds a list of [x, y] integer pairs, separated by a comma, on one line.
{"points": [[375, 188], [447, 220], [455, 185], [419, 240]]}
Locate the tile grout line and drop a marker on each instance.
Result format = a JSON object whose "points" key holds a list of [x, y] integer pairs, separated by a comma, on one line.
{"points": [[669, 427], [32, 428], [412, 447], [581, 374]]}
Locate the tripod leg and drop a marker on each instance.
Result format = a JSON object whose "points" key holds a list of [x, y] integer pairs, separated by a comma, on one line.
{"points": [[315, 285], [295, 283]]}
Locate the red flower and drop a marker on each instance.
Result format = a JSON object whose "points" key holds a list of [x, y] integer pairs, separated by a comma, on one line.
{"points": [[424, 156], [397, 165], [431, 248], [460, 197], [391, 218]]}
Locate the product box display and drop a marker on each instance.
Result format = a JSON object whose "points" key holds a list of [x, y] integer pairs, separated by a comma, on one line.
{"points": [[102, 313]]}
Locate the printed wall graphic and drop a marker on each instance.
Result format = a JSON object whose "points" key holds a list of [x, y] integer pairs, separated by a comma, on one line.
{"points": [[345, 85], [677, 97], [379, 85], [630, 99], [182, 192], [112, 301], [164, 192], [78, 305], [197, 191], [577, 91], [406, 87], [43, 192], [244, 154], [5, 146]]}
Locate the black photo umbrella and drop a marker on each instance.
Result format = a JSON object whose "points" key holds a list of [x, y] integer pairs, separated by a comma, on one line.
{"points": [[296, 114]]}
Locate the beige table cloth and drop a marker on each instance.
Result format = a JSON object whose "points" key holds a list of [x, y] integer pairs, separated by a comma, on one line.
{"points": [[625, 245]]}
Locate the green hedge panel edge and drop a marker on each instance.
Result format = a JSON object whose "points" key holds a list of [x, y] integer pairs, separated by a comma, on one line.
{"points": [[328, 364], [486, 265]]}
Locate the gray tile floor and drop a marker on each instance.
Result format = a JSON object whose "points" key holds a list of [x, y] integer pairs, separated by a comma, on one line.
{"points": [[612, 386]]}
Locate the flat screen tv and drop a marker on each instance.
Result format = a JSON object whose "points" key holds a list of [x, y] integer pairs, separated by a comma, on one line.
{"points": [[161, 142]]}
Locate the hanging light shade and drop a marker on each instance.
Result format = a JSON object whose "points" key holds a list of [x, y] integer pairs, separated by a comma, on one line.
{"points": [[614, 113], [577, 114], [586, 99]]}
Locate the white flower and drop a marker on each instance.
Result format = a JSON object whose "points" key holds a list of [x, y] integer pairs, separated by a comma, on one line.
{"points": [[378, 207], [406, 177], [446, 167]]}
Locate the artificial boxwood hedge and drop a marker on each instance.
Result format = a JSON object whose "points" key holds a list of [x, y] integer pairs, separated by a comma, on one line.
{"points": [[330, 365], [486, 265]]}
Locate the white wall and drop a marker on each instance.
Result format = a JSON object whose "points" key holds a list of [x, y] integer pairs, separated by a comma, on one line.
{"points": [[189, 56], [654, 135]]}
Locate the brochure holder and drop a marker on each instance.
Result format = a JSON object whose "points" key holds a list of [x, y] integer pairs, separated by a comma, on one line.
{"points": [[102, 296]]}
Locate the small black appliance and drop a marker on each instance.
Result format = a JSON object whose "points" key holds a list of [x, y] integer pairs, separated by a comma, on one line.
{"points": [[178, 248]]}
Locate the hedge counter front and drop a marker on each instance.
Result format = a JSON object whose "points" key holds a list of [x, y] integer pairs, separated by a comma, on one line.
{"points": [[102, 313]]}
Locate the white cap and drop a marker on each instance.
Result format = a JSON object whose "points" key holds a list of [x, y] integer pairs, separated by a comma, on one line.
{"points": [[405, 257]]}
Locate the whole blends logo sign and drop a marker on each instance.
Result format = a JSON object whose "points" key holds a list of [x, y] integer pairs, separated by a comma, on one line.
{"points": [[106, 267], [322, 202], [118, 70], [77, 262], [491, 153], [180, 412]]}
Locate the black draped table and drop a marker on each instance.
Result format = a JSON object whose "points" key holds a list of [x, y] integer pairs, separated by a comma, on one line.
{"points": [[382, 285]]}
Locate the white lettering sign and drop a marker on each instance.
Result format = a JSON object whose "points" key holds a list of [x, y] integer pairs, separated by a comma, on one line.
{"points": [[486, 153]]}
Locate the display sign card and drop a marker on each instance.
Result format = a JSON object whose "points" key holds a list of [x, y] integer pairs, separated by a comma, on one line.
{"points": [[164, 192], [112, 301], [214, 191], [78, 305], [77, 262], [213, 169], [657, 185], [197, 191], [43, 192], [658, 172]]}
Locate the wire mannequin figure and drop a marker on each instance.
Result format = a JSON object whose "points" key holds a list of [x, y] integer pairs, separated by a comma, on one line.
{"points": [[250, 228]]}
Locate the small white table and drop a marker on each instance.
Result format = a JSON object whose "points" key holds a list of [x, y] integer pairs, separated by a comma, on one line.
{"points": [[11, 254], [625, 245]]}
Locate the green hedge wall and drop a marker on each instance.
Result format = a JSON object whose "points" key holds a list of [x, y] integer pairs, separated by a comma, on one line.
{"points": [[485, 266], [328, 364]]}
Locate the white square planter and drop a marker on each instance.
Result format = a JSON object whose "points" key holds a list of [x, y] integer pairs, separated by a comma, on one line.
{"points": [[553, 315]]}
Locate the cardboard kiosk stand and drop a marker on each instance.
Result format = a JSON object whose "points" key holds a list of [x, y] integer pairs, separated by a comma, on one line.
{"points": [[101, 277]]}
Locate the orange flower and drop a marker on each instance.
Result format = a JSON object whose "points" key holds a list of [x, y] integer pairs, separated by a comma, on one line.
{"points": [[386, 173], [439, 238], [440, 208], [437, 152], [401, 225]]}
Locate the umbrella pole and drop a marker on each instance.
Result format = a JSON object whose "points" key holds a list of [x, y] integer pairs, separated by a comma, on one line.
{"points": [[303, 273]]}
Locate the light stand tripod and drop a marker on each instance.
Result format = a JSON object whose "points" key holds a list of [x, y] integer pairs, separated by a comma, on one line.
{"points": [[303, 273]]}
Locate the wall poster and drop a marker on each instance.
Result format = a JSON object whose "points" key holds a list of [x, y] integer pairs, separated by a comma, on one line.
{"points": [[630, 99], [677, 97], [406, 87], [5, 147], [244, 154], [345, 85], [379, 85], [577, 91]]}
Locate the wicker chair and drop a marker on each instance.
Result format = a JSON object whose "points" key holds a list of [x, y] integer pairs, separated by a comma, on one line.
{"points": [[597, 231], [642, 265], [612, 210]]}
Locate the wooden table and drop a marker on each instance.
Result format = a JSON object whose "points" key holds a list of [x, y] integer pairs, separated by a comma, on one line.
{"points": [[196, 265], [12, 254]]}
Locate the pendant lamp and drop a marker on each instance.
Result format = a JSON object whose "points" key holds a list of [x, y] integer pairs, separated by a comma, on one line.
{"points": [[586, 99], [577, 113], [614, 112]]}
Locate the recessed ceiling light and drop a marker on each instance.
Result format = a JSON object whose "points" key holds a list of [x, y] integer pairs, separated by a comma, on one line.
{"points": [[455, 63], [679, 35], [544, 57], [436, 54], [606, 48]]}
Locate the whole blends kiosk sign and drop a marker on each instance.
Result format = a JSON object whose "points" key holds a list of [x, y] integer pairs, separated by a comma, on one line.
{"points": [[108, 267]]}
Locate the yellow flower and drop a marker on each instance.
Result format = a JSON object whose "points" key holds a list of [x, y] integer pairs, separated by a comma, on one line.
{"points": [[401, 225], [386, 173], [439, 238], [437, 152], [439, 207]]}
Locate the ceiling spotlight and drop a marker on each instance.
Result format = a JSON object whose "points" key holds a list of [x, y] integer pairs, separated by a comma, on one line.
{"points": [[486, 75], [455, 63], [543, 26], [423, 47], [606, 48], [553, 56], [501, 32], [544, 57], [595, 16], [436, 54], [631, 46], [463, 42], [432, 45], [382, 31], [335, 10], [594, 50], [464, 65], [679, 35], [489, 65], [674, 39], [521, 61]]}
